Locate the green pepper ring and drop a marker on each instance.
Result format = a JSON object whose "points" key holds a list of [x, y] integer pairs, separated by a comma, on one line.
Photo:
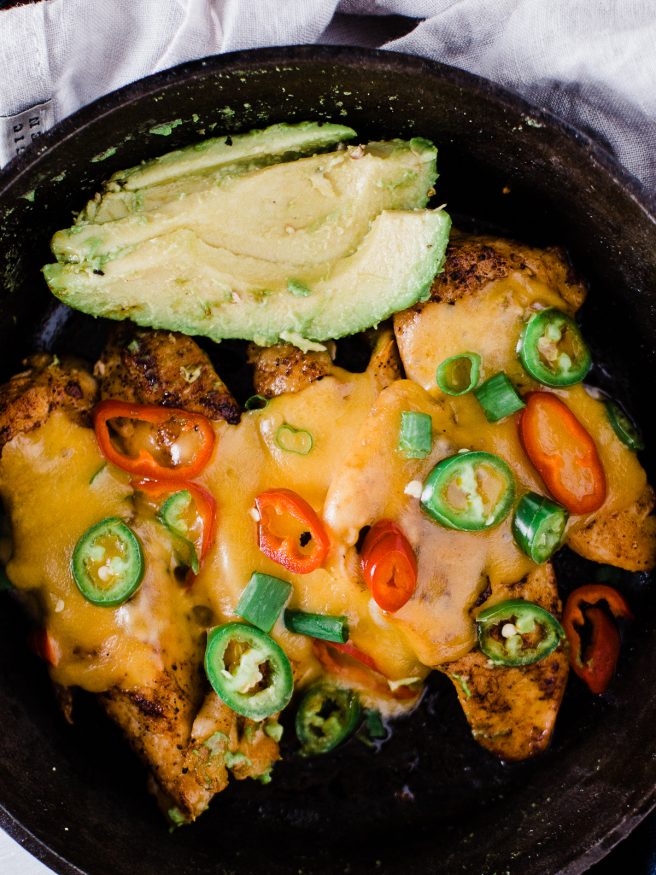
{"points": [[433, 505], [504, 611], [264, 703], [319, 734], [623, 426], [122, 589], [169, 514], [527, 349]]}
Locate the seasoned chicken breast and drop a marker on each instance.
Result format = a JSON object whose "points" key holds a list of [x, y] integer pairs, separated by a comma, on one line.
{"points": [[480, 303], [47, 384], [512, 711], [286, 368], [163, 367], [158, 701]]}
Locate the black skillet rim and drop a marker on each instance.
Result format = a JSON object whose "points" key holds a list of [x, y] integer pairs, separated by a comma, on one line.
{"points": [[379, 60]]}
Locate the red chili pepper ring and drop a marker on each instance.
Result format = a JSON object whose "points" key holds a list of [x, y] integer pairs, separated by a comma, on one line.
{"points": [[597, 665]]}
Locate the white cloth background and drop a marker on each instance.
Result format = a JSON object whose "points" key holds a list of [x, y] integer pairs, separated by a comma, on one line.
{"points": [[592, 62]]}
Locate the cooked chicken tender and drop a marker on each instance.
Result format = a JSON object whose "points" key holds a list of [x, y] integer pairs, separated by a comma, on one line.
{"points": [[157, 721], [473, 262], [512, 711], [220, 741], [286, 368], [163, 367], [480, 303], [625, 538], [47, 384]]}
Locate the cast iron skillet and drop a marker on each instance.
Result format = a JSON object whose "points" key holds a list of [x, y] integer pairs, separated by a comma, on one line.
{"points": [[431, 799]]}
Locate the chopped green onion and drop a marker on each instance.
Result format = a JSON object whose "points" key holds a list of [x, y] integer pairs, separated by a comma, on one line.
{"points": [[498, 398], [416, 435], [323, 626], [256, 402], [294, 440], [539, 526], [273, 729], [263, 600], [177, 818], [624, 427], [459, 374]]}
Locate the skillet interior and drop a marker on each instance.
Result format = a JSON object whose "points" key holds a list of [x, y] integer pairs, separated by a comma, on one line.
{"points": [[431, 797]]}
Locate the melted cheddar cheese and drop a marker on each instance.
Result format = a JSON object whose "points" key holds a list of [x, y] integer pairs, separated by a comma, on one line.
{"points": [[353, 476]]}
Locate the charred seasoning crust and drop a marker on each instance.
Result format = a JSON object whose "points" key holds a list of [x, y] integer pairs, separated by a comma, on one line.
{"points": [[165, 368], [473, 262], [29, 398]]}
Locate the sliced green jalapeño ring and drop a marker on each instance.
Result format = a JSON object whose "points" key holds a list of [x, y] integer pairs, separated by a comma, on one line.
{"points": [[172, 515], [538, 526], [326, 716], [517, 632], [107, 563], [248, 670], [552, 350], [624, 427], [470, 491]]}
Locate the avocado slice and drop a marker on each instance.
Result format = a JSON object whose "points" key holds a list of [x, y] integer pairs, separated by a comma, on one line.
{"points": [[205, 164], [282, 141], [183, 284], [305, 212], [228, 240]]}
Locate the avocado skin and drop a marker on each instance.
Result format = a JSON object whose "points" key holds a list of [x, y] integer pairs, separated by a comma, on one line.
{"points": [[179, 277]]}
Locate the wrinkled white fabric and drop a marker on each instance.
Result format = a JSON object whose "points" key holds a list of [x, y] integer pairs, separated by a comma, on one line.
{"points": [[593, 63]]}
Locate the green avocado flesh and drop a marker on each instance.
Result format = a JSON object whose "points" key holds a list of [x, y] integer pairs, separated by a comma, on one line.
{"points": [[204, 244], [177, 174]]}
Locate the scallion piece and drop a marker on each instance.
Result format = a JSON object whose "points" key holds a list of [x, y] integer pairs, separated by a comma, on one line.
{"points": [[323, 626], [416, 435], [624, 427], [539, 526], [294, 440], [256, 402], [498, 398], [459, 374], [263, 600]]}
